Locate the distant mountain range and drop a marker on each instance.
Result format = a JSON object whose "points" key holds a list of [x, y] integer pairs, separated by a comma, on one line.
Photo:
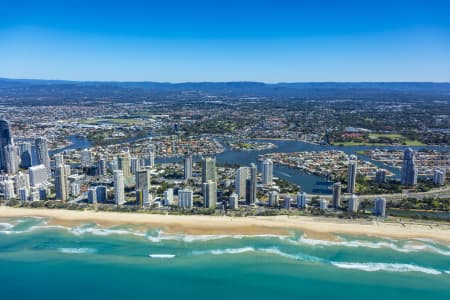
{"points": [[60, 90]]}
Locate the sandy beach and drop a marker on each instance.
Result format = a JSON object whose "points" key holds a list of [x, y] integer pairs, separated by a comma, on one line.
{"points": [[314, 227]]}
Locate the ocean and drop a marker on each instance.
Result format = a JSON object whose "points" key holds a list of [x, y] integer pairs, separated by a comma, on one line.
{"points": [[87, 261]]}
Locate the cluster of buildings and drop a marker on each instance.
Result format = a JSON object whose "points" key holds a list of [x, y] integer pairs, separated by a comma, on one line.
{"points": [[30, 156], [123, 177]]}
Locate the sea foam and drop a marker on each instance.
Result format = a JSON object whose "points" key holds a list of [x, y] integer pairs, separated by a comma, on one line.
{"points": [[388, 267], [406, 248], [165, 256], [77, 250]]}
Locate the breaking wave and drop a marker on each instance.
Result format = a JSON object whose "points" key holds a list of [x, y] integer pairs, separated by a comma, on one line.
{"points": [[388, 267], [77, 250]]}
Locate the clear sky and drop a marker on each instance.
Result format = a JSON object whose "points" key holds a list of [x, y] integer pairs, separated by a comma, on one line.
{"points": [[226, 40]]}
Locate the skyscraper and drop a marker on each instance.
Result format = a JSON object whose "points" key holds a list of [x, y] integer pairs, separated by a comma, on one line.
{"points": [[210, 194], [251, 185], [241, 176], [86, 158], [409, 169], [301, 200], [124, 164], [353, 203], [336, 195], [187, 167], [209, 169], [11, 155], [143, 180], [101, 167], [380, 207], [25, 155], [102, 194], [5, 140], [119, 187], [135, 165], [267, 171], [351, 178], [41, 145], [61, 183]]}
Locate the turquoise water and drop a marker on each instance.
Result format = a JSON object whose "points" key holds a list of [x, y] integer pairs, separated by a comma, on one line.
{"points": [[38, 261]]}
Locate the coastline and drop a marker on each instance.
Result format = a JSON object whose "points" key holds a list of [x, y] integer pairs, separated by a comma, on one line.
{"points": [[204, 225]]}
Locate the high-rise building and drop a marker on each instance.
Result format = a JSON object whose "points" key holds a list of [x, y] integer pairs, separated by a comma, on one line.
{"points": [[119, 187], [380, 207], [5, 140], [380, 176], [168, 197], [22, 181], [234, 201], [61, 182], [301, 200], [274, 198], [59, 159], [336, 195], [123, 162], [38, 175], [92, 195], [11, 153], [7, 186], [151, 158], [351, 174], [41, 145], [251, 185], [267, 171], [409, 169], [210, 194], [323, 204], [25, 154], [353, 203], [86, 158], [75, 189], [439, 177], [143, 180], [287, 202], [101, 167], [188, 167], [242, 175], [23, 194], [102, 194], [135, 165], [185, 198], [209, 169]]}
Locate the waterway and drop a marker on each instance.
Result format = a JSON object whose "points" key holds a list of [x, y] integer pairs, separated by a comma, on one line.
{"points": [[308, 183]]}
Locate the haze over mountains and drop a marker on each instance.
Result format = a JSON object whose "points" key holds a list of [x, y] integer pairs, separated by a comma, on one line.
{"points": [[59, 90]]}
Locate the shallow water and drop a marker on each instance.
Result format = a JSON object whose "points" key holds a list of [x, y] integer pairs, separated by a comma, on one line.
{"points": [[88, 261]]}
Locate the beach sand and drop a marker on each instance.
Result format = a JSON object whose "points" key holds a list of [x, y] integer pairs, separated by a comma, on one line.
{"points": [[317, 227]]}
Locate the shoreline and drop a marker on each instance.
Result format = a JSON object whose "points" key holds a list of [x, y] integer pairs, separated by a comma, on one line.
{"points": [[208, 225]]}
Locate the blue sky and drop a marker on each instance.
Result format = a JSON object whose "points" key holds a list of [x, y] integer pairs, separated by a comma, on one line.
{"points": [[218, 40]]}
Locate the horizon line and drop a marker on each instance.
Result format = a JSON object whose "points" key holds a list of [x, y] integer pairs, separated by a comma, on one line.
{"points": [[230, 81]]}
